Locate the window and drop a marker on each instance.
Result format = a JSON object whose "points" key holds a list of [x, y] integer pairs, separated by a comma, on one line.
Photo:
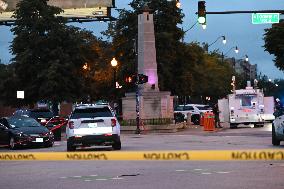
{"points": [[91, 113], [188, 108], [246, 100]]}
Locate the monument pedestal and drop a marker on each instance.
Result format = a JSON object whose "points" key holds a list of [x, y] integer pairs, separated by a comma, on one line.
{"points": [[152, 104]]}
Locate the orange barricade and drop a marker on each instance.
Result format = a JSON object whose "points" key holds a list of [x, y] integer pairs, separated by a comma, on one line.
{"points": [[209, 122]]}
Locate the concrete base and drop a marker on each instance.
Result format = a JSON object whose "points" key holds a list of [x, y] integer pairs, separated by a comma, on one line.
{"points": [[153, 104], [171, 128]]}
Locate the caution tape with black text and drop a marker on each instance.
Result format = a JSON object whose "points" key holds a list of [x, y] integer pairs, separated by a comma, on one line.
{"points": [[197, 155]]}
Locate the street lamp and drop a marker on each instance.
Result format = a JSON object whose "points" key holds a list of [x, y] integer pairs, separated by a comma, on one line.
{"points": [[246, 58], [178, 4], [184, 32], [221, 37], [236, 51], [114, 64]]}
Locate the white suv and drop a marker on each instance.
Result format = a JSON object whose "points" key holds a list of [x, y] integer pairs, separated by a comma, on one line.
{"points": [[90, 125], [194, 110]]}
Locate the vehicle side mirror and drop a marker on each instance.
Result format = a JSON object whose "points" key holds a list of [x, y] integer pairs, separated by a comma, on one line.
{"points": [[49, 125]]}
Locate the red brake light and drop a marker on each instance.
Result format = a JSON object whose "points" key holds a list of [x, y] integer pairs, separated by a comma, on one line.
{"points": [[71, 124], [113, 122]]}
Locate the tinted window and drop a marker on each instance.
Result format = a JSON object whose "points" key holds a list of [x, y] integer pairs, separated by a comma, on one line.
{"points": [[246, 100], [91, 113], [179, 108], [187, 108], [41, 114], [23, 122], [204, 107]]}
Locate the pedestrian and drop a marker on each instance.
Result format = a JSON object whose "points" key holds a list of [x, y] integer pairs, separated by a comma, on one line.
{"points": [[216, 116]]}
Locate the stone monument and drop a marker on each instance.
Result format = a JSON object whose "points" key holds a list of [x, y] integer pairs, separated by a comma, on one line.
{"points": [[153, 103]]}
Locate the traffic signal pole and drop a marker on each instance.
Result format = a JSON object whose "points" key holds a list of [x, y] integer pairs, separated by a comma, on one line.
{"points": [[238, 12], [137, 90]]}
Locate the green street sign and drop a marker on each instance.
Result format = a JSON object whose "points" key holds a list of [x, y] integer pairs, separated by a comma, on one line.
{"points": [[265, 18]]}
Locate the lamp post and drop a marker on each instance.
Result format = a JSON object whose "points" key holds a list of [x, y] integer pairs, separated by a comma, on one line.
{"points": [[236, 51], [188, 30], [224, 41], [114, 64]]}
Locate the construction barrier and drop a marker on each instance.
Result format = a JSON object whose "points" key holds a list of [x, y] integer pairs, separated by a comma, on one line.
{"points": [[202, 155], [209, 121]]}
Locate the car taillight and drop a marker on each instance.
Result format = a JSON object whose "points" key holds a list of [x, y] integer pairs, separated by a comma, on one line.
{"points": [[113, 122], [71, 124]]}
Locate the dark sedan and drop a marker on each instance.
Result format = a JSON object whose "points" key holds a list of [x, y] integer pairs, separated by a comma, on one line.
{"points": [[19, 131]]}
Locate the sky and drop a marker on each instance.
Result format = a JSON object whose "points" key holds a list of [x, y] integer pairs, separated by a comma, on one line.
{"points": [[237, 28]]}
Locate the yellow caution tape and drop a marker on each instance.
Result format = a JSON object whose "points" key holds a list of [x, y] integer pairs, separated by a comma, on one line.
{"points": [[197, 155]]}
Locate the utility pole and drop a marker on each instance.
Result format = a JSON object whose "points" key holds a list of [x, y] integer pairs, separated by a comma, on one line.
{"points": [[137, 131]]}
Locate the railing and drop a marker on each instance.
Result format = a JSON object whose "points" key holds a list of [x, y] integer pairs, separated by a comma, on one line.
{"points": [[156, 121]]}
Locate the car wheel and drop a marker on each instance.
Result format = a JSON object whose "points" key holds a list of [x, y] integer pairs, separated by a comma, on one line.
{"points": [[116, 145], [12, 143], [70, 146], [275, 141], [195, 119], [50, 144], [233, 126]]}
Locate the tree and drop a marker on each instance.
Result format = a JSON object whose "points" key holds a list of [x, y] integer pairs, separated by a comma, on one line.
{"points": [[274, 43], [47, 54]]}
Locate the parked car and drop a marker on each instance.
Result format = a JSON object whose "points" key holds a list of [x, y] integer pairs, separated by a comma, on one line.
{"points": [[194, 110], [45, 117], [278, 128], [90, 125], [42, 115], [19, 131]]}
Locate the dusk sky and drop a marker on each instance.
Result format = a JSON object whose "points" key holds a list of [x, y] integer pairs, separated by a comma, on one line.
{"points": [[237, 28]]}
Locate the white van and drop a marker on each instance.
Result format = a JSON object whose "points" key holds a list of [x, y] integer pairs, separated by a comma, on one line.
{"points": [[194, 110]]}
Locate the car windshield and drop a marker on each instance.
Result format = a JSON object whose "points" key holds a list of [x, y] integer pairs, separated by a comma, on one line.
{"points": [[23, 122], [41, 114], [179, 108], [91, 113], [204, 107]]}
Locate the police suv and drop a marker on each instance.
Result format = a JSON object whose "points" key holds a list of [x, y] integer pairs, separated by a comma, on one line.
{"points": [[91, 124]]}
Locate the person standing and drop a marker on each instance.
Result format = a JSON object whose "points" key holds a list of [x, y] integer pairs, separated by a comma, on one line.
{"points": [[216, 116]]}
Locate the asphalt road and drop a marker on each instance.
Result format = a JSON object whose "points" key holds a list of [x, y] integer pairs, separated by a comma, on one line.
{"points": [[153, 174]]}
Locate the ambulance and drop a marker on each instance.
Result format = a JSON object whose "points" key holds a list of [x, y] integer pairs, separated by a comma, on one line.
{"points": [[246, 106]]}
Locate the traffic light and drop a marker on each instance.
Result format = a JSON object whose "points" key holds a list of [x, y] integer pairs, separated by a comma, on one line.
{"points": [[133, 79], [201, 12], [128, 79], [142, 78]]}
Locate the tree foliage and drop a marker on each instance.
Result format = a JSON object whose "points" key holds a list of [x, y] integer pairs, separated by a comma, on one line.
{"points": [[49, 55], [274, 43]]}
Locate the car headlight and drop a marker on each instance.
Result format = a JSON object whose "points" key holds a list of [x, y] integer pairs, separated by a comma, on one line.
{"points": [[21, 134]]}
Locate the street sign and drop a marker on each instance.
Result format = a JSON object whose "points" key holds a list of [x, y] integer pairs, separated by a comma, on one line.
{"points": [[265, 18]]}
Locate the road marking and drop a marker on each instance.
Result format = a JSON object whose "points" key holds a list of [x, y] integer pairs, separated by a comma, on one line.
{"points": [[197, 169], [88, 180], [117, 178], [101, 179], [222, 172], [206, 173], [63, 177], [93, 175], [180, 170]]}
